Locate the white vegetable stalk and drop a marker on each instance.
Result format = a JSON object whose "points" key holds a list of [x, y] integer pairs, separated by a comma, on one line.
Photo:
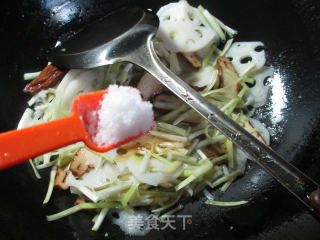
{"points": [[224, 50], [31, 75], [211, 20], [89, 194], [226, 178], [99, 220], [165, 105], [51, 184], [196, 134], [193, 146], [212, 82], [36, 173], [169, 136], [64, 213], [105, 193], [183, 116], [174, 64], [208, 194], [230, 31], [145, 162], [171, 212], [169, 205], [26, 119], [203, 143], [173, 114], [199, 171], [201, 154], [172, 128]]}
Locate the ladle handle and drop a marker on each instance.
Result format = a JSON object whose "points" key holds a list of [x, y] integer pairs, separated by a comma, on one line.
{"points": [[285, 173], [17, 146]]}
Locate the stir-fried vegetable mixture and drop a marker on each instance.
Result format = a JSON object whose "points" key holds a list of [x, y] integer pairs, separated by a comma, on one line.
{"points": [[183, 154]]}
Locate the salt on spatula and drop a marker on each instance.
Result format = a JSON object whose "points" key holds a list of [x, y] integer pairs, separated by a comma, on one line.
{"points": [[103, 120]]}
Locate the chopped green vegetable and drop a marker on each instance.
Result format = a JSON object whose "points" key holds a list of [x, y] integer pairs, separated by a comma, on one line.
{"points": [[225, 178], [208, 56], [225, 49], [230, 153], [207, 19], [85, 205], [100, 218], [170, 137], [172, 128], [129, 194], [220, 158], [36, 173], [183, 116], [225, 204], [51, 184], [171, 212], [198, 172], [173, 114]]}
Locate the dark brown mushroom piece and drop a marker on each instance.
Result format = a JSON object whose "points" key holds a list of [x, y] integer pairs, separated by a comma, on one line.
{"points": [[247, 126], [167, 98], [149, 86], [226, 80], [61, 176], [225, 67], [213, 151], [193, 59], [48, 77], [79, 201], [79, 165], [193, 119]]}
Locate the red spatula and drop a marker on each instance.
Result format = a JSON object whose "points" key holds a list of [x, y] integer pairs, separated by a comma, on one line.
{"points": [[20, 145]]}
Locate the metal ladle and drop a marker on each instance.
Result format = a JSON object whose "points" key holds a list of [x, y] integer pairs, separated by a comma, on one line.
{"points": [[126, 35]]}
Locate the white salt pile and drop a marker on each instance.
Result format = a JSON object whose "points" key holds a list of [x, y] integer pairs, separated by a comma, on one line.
{"points": [[123, 114]]}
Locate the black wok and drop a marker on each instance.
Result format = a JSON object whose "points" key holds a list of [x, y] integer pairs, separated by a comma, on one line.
{"points": [[289, 29]]}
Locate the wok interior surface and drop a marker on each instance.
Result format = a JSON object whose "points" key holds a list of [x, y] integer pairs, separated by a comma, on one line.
{"points": [[289, 30]]}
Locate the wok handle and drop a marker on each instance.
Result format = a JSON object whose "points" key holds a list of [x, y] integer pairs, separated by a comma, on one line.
{"points": [[300, 185], [20, 145]]}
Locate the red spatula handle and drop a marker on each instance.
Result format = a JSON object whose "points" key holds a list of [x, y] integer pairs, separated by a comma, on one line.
{"points": [[20, 145]]}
